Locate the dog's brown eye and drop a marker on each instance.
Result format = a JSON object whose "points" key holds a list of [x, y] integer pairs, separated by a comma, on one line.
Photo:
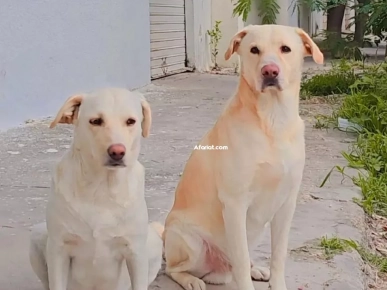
{"points": [[285, 49], [96, 122], [254, 50], [130, 122]]}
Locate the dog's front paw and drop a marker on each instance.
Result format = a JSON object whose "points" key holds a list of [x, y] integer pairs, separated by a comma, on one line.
{"points": [[193, 283], [260, 273]]}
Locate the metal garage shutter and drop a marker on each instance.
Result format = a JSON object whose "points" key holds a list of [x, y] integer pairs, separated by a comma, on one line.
{"points": [[168, 48]]}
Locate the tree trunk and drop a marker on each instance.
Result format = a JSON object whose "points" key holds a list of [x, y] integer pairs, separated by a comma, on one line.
{"points": [[360, 23], [335, 19], [334, 23]]}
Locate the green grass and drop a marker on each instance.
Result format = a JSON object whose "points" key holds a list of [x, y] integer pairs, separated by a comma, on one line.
{"points": [[378, 262], [336, 246], [365, 104], [333, 246]]}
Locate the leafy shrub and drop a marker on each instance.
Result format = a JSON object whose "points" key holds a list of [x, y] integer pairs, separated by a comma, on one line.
{"points": [[366, 105], [365, 109], [328, 84], [338, 80]]}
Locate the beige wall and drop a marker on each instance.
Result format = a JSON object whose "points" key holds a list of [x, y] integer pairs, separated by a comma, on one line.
{"points": [[222, 10]]}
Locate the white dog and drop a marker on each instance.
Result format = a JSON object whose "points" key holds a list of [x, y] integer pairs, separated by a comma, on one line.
{"points": [[225, 198], [97, 235]]}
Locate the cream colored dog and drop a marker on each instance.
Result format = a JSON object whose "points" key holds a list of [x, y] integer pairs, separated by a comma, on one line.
{"points": [[225, 198], [97, 220]]}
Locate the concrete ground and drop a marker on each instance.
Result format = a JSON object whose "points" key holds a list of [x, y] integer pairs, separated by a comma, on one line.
{"points": [[184, 108]]}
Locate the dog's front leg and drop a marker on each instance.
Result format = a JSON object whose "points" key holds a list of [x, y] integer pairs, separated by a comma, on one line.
{"points": [[234, 215], [137, 263], [280, 228], [58, 266]]}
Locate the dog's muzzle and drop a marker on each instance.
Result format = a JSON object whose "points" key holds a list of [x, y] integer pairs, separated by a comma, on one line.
{"points": [[270, 82], [270, 74], [115, 164], [116, 154]]}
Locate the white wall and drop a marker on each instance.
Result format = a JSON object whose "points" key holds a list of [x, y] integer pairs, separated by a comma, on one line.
{"points": [[196, 34], [52, 49]]}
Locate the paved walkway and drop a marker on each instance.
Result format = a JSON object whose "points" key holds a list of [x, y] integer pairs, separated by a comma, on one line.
{"points": [[184, 108]]}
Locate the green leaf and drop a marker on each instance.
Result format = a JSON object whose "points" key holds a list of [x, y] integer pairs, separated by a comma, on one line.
{"points": [[268, 10], [242, 8]]}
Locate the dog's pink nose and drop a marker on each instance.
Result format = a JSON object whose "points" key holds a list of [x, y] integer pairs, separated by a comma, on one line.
{"points": [[270, 71], [116, 151]]}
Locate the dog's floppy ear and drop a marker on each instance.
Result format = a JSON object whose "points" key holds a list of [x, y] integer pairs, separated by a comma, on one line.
{"points": [[147, 118], [68, 113], [310, 47], [234, 43]]}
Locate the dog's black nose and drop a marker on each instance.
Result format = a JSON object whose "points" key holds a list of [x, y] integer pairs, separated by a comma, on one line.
{"points": [[116, 151]]}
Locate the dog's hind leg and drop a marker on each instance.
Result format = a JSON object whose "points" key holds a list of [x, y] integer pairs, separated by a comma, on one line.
{"points": [[37, 253], [181, 260], [188, 257]]}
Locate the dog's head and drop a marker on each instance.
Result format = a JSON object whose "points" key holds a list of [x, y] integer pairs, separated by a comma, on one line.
{"points": [[272, 55], [108, 125]]}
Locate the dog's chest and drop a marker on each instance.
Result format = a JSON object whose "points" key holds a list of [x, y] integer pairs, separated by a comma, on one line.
{"points": [[97, 264], [89, 226], [276, 176], [97, 240], [91, 231], [271, 162], [95, 234]]}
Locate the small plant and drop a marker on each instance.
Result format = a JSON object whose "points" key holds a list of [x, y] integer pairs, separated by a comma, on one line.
{"points": [[215, 36], [333, 246], [236, 67], [322, 122]]}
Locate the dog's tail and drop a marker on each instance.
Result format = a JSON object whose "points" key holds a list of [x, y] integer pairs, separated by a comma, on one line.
{"points": [[159, 228]]}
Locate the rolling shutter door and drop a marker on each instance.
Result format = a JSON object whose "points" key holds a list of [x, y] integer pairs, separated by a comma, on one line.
{"points": [[167, 34]]}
